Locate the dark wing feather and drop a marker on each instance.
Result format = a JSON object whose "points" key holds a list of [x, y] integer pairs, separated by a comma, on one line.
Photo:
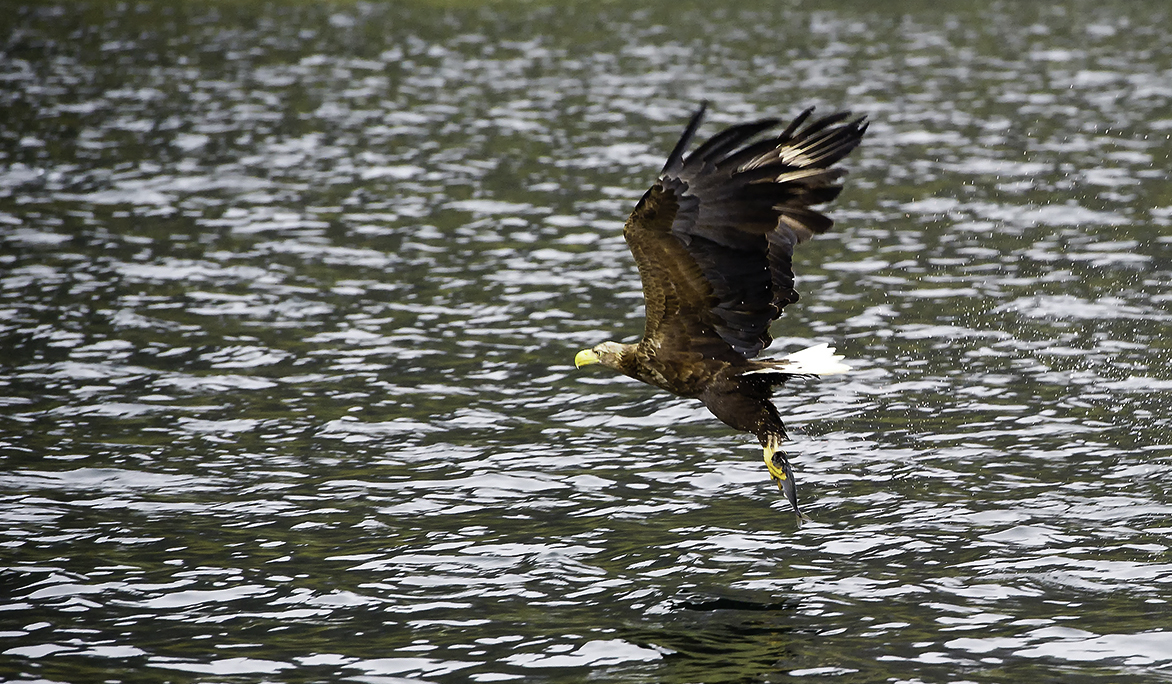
{"points": [[675, 160], [676, 291], [714, 237], [729, 138]]}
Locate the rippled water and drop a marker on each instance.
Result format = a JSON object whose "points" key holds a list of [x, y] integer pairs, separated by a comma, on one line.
{"points": [[290, 294]]}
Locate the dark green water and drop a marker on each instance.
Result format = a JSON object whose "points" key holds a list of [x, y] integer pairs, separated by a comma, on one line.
{"points": [[289, 294]]}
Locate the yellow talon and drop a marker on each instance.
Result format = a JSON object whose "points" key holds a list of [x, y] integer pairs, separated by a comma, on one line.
{"points": [[776, 472], [779, 471]]}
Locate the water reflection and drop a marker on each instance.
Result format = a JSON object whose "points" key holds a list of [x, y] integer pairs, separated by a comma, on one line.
{"points": [[290, 293]]}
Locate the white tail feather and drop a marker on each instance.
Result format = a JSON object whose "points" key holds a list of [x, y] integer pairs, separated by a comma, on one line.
{"points": [[817, 360]]}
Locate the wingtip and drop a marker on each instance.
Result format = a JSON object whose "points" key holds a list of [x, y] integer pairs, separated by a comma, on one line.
{"points": [[675, 160]]}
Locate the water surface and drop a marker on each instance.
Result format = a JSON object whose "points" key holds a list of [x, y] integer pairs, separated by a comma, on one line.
{"points": [[290, 294]]}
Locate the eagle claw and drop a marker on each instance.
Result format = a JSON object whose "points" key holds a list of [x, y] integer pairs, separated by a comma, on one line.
{"points": [[781, 473]]}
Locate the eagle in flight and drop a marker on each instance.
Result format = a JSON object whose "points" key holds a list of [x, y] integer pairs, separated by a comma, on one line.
{"points": [[714, 241]]}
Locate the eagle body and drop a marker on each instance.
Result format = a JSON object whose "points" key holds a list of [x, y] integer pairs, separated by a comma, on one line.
{"points": [[713, 240]]}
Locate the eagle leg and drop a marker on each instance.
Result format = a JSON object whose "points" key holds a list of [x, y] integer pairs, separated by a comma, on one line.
{"points": [[780, 471]]}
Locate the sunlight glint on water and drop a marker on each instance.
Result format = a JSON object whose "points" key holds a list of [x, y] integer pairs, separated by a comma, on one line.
{"points": [[290, 296]]}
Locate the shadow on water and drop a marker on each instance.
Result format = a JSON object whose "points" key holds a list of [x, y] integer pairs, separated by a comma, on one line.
{"points": [[723, 639], [290, 293]]}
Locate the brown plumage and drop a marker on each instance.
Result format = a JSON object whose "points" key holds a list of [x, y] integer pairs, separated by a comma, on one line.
{"points": [[713, 240]]}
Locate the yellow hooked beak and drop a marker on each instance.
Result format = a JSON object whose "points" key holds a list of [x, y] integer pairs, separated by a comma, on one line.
{"points": [[585, 358]]}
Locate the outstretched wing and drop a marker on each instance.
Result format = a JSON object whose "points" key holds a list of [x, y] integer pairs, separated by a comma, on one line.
{"points": [[714, 237]]}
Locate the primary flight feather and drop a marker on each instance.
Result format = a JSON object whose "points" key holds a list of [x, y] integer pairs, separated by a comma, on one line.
{"points": [[713, 240]]}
